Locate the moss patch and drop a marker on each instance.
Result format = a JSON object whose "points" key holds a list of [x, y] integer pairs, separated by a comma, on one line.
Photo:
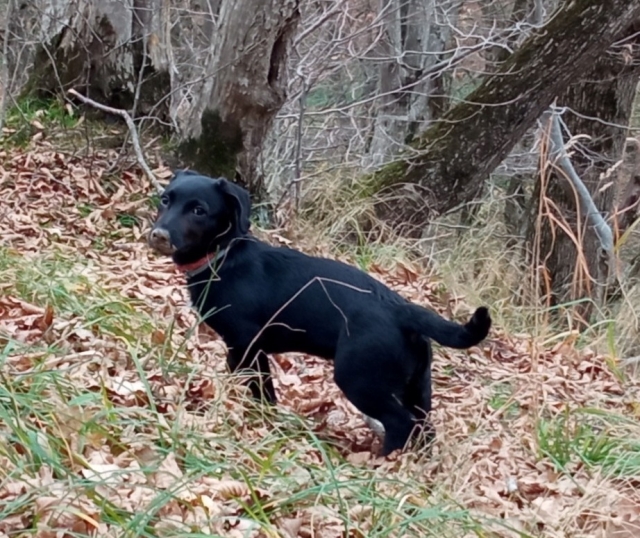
{"points": [[216, 151]]}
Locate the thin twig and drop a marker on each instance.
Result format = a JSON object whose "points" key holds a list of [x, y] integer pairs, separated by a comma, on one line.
{"points": [[134, 135], [271, 320]]}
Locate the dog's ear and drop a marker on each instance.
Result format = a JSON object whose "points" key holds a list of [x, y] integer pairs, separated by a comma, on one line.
{"points": [[177, 173], [239, 197]]}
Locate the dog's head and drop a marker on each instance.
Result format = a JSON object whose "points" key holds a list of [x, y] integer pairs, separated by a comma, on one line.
{"points": [[198, 215]]}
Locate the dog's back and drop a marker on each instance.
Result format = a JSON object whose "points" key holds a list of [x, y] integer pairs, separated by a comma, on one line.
{"points": [[300, 303]]}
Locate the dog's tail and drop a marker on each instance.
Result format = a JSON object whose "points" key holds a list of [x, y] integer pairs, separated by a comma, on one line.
{"points": [[447, 333]]}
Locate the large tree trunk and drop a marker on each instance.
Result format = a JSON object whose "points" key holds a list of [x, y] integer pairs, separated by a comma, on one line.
{"points": [[215, 69], [599, 107], [94, 46], [455, 156], [244, 85]]}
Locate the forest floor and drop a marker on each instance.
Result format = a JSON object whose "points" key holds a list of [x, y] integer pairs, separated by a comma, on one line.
{"points": [[117, 417]]}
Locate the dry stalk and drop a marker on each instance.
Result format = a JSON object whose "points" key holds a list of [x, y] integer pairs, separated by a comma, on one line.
{"points": [[134, 135]]}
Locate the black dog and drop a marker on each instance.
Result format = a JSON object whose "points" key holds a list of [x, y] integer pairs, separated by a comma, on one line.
{"points": [[262, 299]]}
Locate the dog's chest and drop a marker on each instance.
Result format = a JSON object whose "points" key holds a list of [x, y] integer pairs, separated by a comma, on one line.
{"points": [[203, 296], [215, 304]]}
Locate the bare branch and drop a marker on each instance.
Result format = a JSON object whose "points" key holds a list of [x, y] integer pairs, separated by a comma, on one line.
{"points": [[594, 217], [134, 135]]}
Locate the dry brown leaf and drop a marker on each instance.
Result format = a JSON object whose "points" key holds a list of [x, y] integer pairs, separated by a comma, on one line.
{"points": [[231, 489], [359, 458], [168, 472], [291, 527]]}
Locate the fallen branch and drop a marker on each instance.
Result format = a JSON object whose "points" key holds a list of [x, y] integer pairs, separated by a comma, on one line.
{"points": [[593, 216], [134, 135]]}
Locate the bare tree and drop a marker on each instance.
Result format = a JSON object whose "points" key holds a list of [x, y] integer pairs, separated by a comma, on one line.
{"points": [[368, 76], [414, 38], [453, 158], [214, 70]]}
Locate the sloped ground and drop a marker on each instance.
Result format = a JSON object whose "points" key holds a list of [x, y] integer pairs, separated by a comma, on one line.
{"points": [[117, 417]]}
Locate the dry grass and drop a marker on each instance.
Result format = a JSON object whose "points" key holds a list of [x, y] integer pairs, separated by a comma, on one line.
{"points": [[473, 260], [118, 419]]}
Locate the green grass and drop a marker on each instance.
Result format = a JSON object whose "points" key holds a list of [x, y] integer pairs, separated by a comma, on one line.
{"points": [[501, 400], [23, 115], [34, 407], [128, 221], [51, 420], [55, 280], [85, 209], [366, 254], [591, 437]]}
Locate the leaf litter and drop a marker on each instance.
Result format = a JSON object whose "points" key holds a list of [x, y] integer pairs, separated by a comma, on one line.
{"points": [[117, 413]]}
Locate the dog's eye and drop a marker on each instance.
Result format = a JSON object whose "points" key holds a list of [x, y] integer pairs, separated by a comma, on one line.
{"points": [[164, 201], [198, 210]]}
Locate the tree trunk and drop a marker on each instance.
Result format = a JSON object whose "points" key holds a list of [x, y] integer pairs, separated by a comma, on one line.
{"points": [[456, 155], [628, 210], [414, 38], [599, 107], [89, 45], [215, 68], [510, 15], [244, 85]]}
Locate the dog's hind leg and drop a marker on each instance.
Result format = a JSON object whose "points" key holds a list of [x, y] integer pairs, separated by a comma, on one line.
{"points": [[417, 395], [256, 367], [376, 397], [398, 422], [418, 400]]}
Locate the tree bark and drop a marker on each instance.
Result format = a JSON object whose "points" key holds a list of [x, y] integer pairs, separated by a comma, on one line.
{"points": [[98, 48], [243, 88], [453, 158], [415, 35], [629, 207], [599, 107]]}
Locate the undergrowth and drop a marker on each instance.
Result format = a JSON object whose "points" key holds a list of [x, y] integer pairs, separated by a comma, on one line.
{"points": [[478, 259], [30, 115], [117, 416], [52, 420]]}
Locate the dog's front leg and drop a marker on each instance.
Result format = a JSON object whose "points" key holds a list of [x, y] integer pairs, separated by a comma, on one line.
{"points": [[256, 368]]}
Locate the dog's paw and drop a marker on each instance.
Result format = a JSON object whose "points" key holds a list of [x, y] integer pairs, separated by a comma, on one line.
{"points": [[375, 425]]}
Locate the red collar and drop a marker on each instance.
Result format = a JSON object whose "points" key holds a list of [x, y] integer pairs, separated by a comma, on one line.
{"points": [[193, 268]]}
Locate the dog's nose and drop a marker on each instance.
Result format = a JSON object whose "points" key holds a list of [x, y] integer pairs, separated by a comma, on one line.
{"points": [[160, 240]]}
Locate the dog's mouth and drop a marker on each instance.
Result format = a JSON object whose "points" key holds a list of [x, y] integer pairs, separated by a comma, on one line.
{"points": [[160, 241], [164, 249]]}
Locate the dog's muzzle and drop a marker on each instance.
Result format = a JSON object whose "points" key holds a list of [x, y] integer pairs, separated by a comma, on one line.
{"points": [[160, 240]]}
